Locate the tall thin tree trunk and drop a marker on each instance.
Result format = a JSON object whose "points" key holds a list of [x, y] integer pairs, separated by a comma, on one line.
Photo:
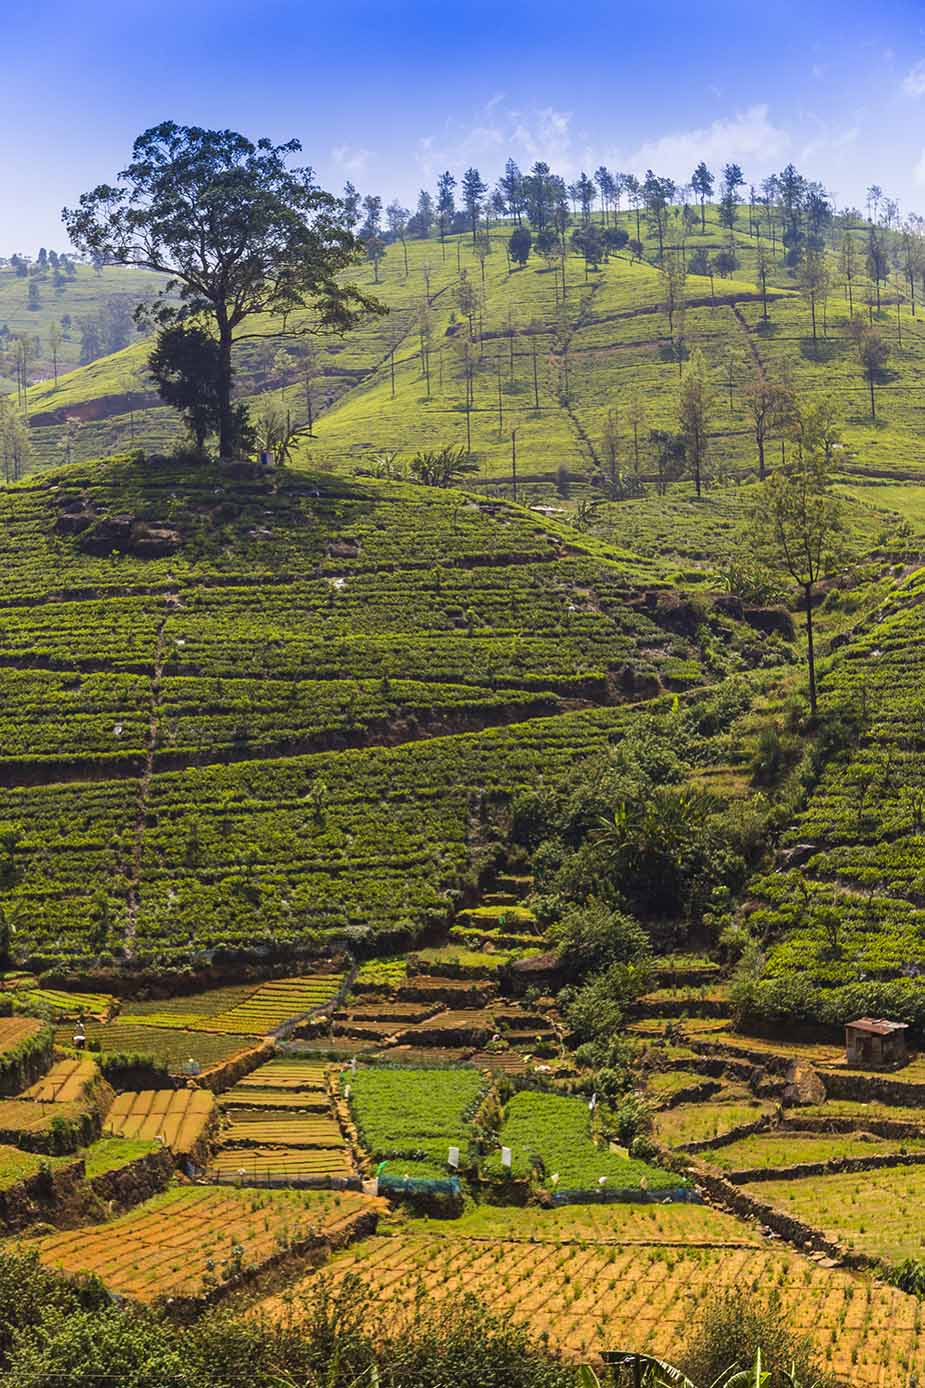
{"points": [[225, 416], [810, 648]]}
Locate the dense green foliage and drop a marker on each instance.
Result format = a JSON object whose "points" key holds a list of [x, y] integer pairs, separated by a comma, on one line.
{"points": [[414, 1115], [53, 1332], [550, 1140]]}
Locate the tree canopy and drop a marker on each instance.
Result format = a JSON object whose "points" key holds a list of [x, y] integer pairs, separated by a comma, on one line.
{"points": [[237, 232]]}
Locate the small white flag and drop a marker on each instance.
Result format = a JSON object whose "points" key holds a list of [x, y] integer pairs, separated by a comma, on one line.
{"points": [[593, 1104], [506, 1157], [453, 1157]]}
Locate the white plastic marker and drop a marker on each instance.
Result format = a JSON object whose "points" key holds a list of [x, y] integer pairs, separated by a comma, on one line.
{"points": [[346, 1091], [506, 1157], [453, 1158], [353, 1064], [601, 1180], [554, 1178], [593, 1104]]}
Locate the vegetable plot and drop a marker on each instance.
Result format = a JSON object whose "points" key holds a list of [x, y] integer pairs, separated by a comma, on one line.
{"points": [[549, 1136], [414, 1115]]}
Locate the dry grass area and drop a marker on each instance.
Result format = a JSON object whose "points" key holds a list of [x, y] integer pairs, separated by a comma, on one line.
{"points": [[65, 1083], [638, 1296], [876, 1212]]}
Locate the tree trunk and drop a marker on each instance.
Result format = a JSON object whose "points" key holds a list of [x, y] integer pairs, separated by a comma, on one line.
{"points": [[703, 217], [810, 648], [225, 415], [759, 439], [873, 407]]}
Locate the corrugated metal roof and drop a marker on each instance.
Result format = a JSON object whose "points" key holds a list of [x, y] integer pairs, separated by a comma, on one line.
{"points": [[876, 1026]]}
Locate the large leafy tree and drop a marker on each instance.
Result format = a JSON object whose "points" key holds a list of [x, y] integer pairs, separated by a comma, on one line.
{"points": [[245, 240], [797, 524]]}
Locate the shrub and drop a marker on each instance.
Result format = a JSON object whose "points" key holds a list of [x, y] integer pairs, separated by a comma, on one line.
{"points": [[736, 1323]]}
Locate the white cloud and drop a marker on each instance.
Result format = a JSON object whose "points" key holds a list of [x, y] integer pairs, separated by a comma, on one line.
{"points": [[826, 144], [914, 80], [545, 135], [496, 134], [352, 160], [748, 138]]}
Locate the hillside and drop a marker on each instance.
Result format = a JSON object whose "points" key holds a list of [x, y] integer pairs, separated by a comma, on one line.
{"points": [[285, 709], [548, 365], [63, 304]]}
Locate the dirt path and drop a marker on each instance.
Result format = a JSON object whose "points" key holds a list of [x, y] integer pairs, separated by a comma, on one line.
{"points": [[144, 784]]}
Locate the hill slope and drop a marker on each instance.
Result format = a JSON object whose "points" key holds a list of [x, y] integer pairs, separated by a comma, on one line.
{"points": [[548, 364], [254, 712]]}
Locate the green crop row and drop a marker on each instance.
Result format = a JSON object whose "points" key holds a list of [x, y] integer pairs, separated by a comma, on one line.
{"points": [[414, 1114], [549, 1136]]}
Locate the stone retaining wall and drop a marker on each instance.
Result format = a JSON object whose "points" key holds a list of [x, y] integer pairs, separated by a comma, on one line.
{"points": [[707, 1144], [730, 1197], [137, 1181], [882, 1088], [833, 1167], [40, 1196], [693, 1094], [226, 1073], [880, 1127]]}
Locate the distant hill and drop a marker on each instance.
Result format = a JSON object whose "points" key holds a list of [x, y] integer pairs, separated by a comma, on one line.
{"points": [[549, 367]]}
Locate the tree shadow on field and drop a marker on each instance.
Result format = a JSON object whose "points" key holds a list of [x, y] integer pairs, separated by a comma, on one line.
{"points": [[822, 351], [766, 329], [864, 421]]}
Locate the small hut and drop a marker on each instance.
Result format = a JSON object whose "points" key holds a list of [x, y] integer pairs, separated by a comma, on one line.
{"points": [[876, 1043]]}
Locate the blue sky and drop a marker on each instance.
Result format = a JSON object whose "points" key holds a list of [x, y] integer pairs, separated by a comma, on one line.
{"points": [[387, 94]]}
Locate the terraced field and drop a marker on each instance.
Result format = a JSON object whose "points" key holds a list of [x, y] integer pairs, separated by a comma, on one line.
{"points": [[633, 1291], [493, 614], [66, 1082], [188, 1242], [874, 1212], [269, 1128], [275, 1003], [169, 1047], [180, 1118]]}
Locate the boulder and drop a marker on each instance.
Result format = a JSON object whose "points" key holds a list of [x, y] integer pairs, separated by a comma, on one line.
{"points": [[774, 621], [344, 549], [153, 541], [74, 522], [673, 613], [803, 1086], [796, 856]]}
